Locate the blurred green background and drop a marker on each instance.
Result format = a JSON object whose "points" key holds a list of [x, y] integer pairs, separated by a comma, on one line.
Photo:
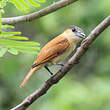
{"points": [[86, 87]]}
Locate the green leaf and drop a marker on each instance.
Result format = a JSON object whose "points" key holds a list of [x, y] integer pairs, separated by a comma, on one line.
{"points": [[17, 43], [24, 4], [2, 11], [33, 3], [5, 34], [28, 51], [16, 37], [3, 3], [25, 48], [13, 51], [3, 51], [17, 5], [41, 0], [7, 26], [10, 41]]}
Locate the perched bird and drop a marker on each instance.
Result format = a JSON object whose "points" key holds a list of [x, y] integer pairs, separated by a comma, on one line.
{"points": [[56, 50]]}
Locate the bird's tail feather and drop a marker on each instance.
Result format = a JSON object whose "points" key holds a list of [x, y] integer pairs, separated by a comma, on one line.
{"points": [[29, 75]]}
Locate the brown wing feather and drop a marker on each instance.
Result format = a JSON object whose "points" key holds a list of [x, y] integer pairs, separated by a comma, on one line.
{"points": [[51, 50]]}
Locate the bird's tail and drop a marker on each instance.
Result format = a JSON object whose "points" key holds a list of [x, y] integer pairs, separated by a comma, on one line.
{"points": [[29, 75]]}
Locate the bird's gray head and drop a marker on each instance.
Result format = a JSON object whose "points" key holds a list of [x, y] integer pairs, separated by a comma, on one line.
{"points": [[78, 31]]}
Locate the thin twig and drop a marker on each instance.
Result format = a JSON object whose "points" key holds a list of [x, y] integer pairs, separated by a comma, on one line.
{"points": [[70, 64], [55, 6]]}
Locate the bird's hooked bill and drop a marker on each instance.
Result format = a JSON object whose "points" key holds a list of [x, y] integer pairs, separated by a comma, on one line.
{"points": [[80, 34]]}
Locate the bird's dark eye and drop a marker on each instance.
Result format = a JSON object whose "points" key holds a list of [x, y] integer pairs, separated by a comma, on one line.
{"points": [[73, 30]]}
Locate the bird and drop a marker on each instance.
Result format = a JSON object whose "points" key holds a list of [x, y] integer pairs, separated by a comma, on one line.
{"points": [[56, 50]]}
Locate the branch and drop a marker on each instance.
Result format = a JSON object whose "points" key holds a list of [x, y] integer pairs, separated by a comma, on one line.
{"points": [[70, 64], [55, 6]]}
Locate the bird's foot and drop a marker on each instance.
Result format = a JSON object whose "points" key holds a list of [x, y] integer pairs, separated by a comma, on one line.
{"points": [[48, 70]]}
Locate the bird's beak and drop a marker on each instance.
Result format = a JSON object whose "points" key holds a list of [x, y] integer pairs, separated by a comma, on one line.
{"points": [[80, 34]]}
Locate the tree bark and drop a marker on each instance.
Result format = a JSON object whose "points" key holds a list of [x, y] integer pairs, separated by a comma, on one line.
{"points": [[55, 6]]}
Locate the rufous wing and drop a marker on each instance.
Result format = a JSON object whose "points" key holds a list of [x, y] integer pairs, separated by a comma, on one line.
{"points": [[51, 50]]}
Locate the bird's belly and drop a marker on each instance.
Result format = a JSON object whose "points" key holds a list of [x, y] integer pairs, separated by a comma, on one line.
{"points": [[62, 56]]}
